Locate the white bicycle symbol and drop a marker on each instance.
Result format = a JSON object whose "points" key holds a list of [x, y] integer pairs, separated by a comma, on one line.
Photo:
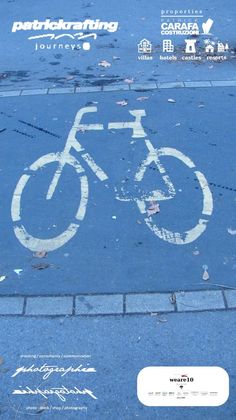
{"points": [[65, 157]]}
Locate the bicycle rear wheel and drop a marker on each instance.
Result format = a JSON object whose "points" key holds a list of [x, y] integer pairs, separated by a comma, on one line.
{"points": [[25, 238]]}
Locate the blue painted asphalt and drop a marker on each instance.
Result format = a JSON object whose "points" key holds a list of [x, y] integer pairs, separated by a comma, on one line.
{"points": [[23, 65], [113, 250], [133, 343]]}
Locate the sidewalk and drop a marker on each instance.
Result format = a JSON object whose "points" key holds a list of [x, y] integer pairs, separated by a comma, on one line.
{"points": [[120, 346], [138, 87], [118, 304]]}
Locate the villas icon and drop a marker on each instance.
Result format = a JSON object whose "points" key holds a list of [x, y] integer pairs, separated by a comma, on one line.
{"points": [[145, 47]]}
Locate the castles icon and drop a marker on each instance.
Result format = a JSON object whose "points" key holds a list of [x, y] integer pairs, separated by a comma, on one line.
{"points": [[190, 46]]}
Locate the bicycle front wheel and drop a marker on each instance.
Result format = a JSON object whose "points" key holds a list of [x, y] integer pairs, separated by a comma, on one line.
{"points": [[181, 238]]}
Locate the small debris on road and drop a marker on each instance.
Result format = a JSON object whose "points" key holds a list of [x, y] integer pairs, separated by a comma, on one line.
{"points": [[81, 130], [231, 231], [161, 320], [41, 266], [62, 320], [173, 298], [40, 254], [129, 80], [104, 63], [18, 271], [205, 275], [122, 103], [153, 209], [142, 98], [91, 103]]}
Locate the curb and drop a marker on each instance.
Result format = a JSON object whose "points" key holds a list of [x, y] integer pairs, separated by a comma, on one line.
{"points": [[119, 88], [118, 304]]}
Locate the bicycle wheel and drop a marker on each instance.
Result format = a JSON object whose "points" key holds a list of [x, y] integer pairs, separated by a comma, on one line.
{"points": [[38, 244], [180, 238]]}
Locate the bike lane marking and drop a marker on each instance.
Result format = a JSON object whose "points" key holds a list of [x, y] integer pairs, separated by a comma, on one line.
{"points": [[35, 244], [109, 158]]}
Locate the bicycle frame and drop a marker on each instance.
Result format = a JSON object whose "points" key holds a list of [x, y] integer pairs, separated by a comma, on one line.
{"points": [[138, 132], [73, 143]]}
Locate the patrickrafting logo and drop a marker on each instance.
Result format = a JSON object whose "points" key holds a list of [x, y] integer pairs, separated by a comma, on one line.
{"points": [[62, 30]]}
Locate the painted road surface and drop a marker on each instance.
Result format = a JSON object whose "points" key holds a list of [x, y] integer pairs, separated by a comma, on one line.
{"points": [[146, 207], [47, 57]]}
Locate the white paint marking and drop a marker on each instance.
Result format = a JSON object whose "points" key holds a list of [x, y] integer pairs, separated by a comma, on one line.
{"points": [[36, 244], [95, 168], [84, 198], [174, 237], [136, 126], [153, 157], [15, 205], [169, 151], [207, 195], [63, 159]]}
